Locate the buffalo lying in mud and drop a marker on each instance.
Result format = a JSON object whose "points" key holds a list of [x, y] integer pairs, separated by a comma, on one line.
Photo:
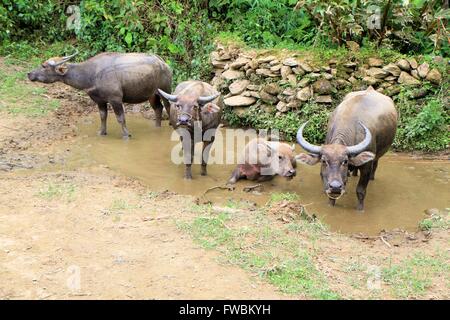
{"points": [[112, 78], [263, 159], [195, 114], [360, 131]]}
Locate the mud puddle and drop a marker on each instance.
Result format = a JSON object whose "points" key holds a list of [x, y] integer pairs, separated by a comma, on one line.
{"points": [[403, 188]]}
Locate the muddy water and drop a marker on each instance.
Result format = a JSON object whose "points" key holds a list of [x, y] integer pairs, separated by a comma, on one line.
{"points": [[403, 188]]}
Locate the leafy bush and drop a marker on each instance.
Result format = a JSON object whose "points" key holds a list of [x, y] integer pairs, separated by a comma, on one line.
{"points": [[422, 127]]}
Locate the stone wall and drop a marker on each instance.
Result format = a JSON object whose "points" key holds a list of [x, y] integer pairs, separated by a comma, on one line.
{"points": [[287, 80]]}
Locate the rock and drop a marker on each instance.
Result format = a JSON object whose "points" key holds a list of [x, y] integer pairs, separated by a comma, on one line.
{"points": [[281, 106], [327, 76], [239, 62], [274, 62], [304, 82], [434, 76], [268, 98], [265, 72], [423, 70], [415, 74], [306, 67], [322, 86], [325, 69], [289, 92], [239, 101], [406, 79], [290, 62], [217, 82], [238, 86], [352, 46], [276, 68], [438, 60], [342, 83], [392, 69], [419, 93], [253, 64], [392, 91], [404, 64], [240, 111], [314, 75], [267, 59], [285, 71], [370, 80], [224, 56], [413, 63], [350, 65], [219, 64], [294, 104], [433, 212], [254, 87], [249, 72], [298, 71], [324, 99], [254, 94], [332, 62], [272, 88], [292, 78], [390, 78], [304, 94], [232, 74], [377, 73], [375, 62], [352, 80]]}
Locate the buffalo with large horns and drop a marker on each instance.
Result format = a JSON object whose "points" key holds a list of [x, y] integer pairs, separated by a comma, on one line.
{"points": [[112, 78], [195, 114], [360, 131]]}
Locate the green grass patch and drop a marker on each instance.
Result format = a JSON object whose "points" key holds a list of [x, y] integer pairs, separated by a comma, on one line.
{"points": [[262, 248], [412, 277], [58, 191]]}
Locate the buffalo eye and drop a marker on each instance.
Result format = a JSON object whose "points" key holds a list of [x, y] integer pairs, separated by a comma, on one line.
{"points": [[345, 162], [178, 106]]}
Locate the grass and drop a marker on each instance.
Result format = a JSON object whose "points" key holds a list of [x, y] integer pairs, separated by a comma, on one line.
{"points": [[440, 221], [58, 191], [261, 248], [20, 98], [412, 277]]}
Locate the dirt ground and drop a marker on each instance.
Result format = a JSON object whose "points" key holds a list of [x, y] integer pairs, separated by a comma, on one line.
{"points": [[94, 234]]}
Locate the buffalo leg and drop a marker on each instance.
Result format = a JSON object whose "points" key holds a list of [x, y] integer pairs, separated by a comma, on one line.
{"points": [[155, 102], [205, 155], [364, 178], [188, 154], [120, 115], [235, 175], [374, 168], [103, 109]]}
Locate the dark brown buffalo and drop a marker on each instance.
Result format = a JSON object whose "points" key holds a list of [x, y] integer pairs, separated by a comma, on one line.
{"points": [[262, 160], [195, 114], [360, 131], [112, 78]]}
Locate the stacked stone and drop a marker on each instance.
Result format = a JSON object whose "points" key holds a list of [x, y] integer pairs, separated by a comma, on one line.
{"points": [[269, 81]]}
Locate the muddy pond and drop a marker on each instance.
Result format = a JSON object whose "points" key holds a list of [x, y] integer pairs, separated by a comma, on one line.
{"points": [[403, 188]]}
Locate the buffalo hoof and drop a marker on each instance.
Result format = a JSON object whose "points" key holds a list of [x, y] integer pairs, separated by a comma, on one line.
{"points": [[204, 172], [101, 133], [360, 208], [188, 177]]}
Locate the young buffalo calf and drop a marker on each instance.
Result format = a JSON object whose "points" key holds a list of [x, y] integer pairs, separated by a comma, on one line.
{"points": [[263, 159]]}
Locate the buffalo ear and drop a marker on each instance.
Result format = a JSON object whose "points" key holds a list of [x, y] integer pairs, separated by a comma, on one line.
{"points": [[310, 159], [210, 108], [61, 69], [362, 158]]}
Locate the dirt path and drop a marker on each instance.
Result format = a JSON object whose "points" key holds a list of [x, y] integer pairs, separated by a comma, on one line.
{"points": [[122, 243]]}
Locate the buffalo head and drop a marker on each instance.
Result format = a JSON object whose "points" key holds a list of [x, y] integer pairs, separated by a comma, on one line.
{"points": [[189, 108], [335, 159], [51, 70]]}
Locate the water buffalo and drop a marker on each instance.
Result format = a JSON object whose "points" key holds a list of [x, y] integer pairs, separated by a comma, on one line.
{"points": [[360, 131], [263, 159], [112, 78], [195, 114]]}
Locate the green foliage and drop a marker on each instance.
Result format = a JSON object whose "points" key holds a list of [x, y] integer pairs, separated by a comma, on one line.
{"points": [[287, 124], [423, 125]]}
